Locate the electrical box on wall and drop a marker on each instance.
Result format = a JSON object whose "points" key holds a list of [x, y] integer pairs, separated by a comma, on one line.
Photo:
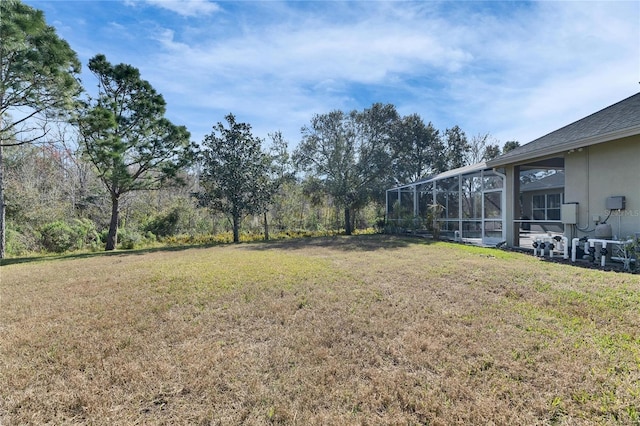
{"points": [[616, 203], [569, 213]]}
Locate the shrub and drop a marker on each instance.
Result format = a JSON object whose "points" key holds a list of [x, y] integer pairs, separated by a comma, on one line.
{"points": [[22, 239], [630, 254], [165, 224], [60, 236], [57, 237], [86, 234], [128, 239]]}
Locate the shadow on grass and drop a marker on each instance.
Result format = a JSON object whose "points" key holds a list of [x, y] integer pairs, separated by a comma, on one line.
{"points": [[370, 242], [115, 253], [338, 242]]}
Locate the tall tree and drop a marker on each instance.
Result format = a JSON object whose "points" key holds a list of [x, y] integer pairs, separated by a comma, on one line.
{"points": [[282, 176], [510, 146], [419, 150], [482, 148], [350, 154], [126, 137], [491, 151], [457, 148], [327, 153], [236, 172], [377, 133], [37, 81], [279, 151]]}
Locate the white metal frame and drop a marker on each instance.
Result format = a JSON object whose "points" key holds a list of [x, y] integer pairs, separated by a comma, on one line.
{"points": [[466, 171]]}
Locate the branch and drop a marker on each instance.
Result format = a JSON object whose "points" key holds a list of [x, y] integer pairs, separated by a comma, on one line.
{"points": [[25, 142]]}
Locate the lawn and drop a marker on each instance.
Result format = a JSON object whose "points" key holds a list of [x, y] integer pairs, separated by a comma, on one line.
{"points": [[371, 330]]}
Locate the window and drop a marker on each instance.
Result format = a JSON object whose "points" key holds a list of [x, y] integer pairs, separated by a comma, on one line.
{"points": [[546, 206]]}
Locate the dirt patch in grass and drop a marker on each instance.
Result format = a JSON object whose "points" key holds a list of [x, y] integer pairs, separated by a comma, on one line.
{"points": [[362, 330]]}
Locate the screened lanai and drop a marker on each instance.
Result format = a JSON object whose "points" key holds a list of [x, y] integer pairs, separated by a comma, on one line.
{"points": [[465, 204]]}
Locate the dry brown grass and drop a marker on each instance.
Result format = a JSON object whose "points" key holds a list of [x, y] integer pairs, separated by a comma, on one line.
{"points": [[366, 330]]}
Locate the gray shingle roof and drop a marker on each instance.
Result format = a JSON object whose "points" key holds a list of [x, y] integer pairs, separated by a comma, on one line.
{"points": [[619, 120]]}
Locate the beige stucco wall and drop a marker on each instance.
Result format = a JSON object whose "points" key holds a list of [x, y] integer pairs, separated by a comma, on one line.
{"points": [[599, 171]]}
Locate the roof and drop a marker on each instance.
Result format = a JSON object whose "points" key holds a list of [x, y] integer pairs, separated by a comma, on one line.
{"points": [[449, 173], [617, 121], [553, 181], [459, 171]]}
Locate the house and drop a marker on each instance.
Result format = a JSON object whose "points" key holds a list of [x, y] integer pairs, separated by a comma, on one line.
{"points": [[564, 183]]}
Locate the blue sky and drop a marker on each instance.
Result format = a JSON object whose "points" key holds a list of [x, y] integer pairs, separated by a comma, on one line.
{"points": [[516, 70]]}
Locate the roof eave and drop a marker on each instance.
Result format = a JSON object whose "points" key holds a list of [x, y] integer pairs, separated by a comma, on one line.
{"points": [[567, 146], [471, 168]]}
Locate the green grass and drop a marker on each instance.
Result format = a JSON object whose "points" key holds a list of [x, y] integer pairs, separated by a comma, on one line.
{"points": [[361, 330]]}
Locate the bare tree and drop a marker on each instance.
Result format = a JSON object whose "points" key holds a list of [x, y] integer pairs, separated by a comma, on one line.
{"points": [[482, 148]]}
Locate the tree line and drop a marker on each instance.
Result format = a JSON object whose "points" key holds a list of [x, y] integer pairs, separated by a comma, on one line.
{"points": [[80, 170]]}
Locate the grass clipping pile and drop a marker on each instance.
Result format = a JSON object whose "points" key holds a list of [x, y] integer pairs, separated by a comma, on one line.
{"points": [[330, 331]]}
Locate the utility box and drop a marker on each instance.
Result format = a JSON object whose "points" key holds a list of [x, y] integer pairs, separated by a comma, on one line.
{"points": [[616, 203], [569, 214]]}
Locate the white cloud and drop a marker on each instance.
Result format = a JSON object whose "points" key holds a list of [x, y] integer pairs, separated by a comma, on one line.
{"points": [[516, 70], [187, 7], [294, 70], [547, 67], [315, 51]]}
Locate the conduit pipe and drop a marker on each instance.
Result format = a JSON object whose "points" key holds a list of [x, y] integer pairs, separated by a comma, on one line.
{"points": [[574, 248], [561, 243], [540, 243], [565, 247], [603, 251]]}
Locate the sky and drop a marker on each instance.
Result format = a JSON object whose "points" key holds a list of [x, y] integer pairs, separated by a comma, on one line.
{"points": [[516, 70]]}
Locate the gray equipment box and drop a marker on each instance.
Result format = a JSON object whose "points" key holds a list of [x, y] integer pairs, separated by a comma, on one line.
{"points": [[616, 203]]}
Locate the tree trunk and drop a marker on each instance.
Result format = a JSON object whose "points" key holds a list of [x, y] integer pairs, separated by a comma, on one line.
{"points": [[112, 237], [2, 207], [347, 221], [236, 228], [266, 227]]}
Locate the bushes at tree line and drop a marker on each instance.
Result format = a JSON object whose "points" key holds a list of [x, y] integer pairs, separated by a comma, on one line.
{"points": [[60, 236], [165, 224]]}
